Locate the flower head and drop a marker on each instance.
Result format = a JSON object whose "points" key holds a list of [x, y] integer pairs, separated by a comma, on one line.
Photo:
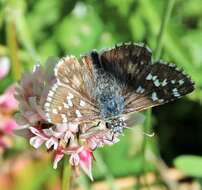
{"points": [[8, 105], [72, 139]]}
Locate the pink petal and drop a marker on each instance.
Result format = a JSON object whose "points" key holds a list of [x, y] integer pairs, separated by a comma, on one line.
{"points": [[7, 100], [4, 66], [58, 156], [52, 142], [8, 125], [86, 162], [39, 133], [68, 135], [74, 159], [36, 141]]}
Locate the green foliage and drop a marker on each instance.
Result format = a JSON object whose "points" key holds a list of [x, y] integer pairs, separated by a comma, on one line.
{"points": [[35, 175], [76, 33], [190, 165], [57, 28]]}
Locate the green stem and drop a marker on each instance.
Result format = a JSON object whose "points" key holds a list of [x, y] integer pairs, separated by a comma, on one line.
{"points": [[66, 175], [148, 124], [83, 182], [103, 168], [147, 129], [3, 50], [167, 13], [12, 40]]}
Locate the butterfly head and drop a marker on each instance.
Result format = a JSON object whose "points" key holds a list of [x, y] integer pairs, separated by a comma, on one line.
{"points": [[116, 125]]}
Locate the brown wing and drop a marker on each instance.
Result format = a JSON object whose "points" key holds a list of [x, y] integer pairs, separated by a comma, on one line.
{"points": [[159, 83], [69, 100], [145, 84]]}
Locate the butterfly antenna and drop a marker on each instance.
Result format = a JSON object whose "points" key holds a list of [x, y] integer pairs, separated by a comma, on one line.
{"points": [[148, 134], [140, 130]]}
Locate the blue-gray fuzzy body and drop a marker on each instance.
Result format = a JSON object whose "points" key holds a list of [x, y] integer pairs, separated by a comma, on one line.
{"points": [[108, 95], [106, 90]]}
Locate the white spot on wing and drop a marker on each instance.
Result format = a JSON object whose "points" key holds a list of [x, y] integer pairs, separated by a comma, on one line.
{"points": [[140, 89], [55, 111], [157, 83], [49, 99], [47, 104], [64, 118], [48, 117], [173, 81], [154, 96], [149, 76], [54, 87], [171, 65], [181, 82], [176, 93], [61, 61], [164, 83], [82, 103], [65, 105], [78, 114], [154, 78], [47, 109], [70, 96], [70, 102], [50, 93], [161, 100]]}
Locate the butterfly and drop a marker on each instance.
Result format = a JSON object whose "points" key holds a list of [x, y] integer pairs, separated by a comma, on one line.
{"points": [[106, 85]]}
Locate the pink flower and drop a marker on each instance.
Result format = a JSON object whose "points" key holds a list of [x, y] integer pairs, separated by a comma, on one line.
{"points": [[8, 105], [31, 93], [59, 154], [76, 140], [79, 156], [7, 100], [4, 66], [7, 125], [86, 156]]}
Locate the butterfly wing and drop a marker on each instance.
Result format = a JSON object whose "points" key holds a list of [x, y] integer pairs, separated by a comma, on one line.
{"points": [[145, 84], [126, 60], [160, 83], [68, 100]]}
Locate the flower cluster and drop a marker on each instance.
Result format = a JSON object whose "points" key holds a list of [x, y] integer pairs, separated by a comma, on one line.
{"points": [[8, 105], [71, 139]]}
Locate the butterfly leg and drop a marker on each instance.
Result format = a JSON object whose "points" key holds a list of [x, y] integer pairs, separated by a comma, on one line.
{"points": [[94, 126]]}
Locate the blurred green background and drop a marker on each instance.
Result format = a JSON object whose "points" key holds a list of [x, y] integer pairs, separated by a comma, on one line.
{"points": [[33, 30]]}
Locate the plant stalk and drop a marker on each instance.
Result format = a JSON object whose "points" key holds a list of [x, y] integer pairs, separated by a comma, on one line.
{"points": [[66, 175], [11, 39], [148, 124], [167, 14]]}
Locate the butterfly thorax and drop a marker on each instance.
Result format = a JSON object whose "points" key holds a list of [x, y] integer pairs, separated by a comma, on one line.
{"points": [[108, 94], [111, 105]]}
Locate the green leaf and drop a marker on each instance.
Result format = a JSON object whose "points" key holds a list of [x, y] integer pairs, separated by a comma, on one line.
{"points": [[119, 160], [34, 175], [189, 164], [78, 32]]}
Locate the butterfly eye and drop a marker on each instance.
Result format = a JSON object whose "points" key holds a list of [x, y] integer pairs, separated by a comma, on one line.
{"points": [[108, 125]]}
